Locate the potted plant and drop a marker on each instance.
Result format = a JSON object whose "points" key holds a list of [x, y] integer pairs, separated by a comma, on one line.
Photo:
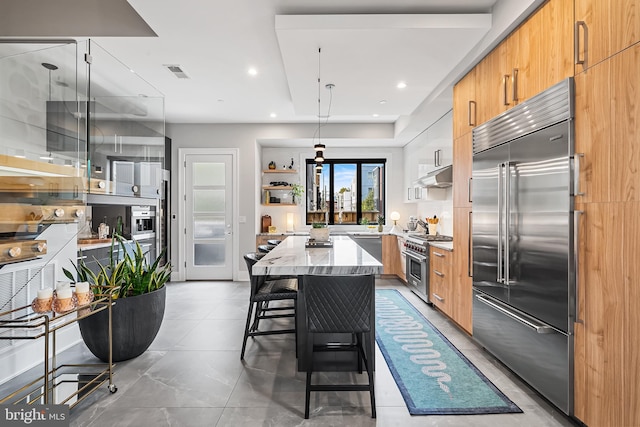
{"points": [[297, 191], [319, 232], [380, 223], [139, 293]]}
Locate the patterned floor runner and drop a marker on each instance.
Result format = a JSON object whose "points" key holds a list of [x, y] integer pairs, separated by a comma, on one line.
{"points": [[433, 376]]}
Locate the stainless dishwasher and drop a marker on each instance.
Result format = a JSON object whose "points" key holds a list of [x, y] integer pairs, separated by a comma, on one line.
{"points": [[371, 244]]}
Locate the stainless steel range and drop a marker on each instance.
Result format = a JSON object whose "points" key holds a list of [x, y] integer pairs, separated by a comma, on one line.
{"points": [[416, 251]]}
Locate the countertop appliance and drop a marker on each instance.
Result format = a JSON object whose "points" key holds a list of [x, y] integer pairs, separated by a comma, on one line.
{"points": [[416, 251], [524, 263]]}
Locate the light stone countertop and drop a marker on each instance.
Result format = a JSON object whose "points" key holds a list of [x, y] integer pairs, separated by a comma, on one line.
{"points": [[291, 257], [447, 246]]}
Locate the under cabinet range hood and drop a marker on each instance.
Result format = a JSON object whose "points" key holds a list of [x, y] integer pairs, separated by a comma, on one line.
{"points": [[439, 178]]}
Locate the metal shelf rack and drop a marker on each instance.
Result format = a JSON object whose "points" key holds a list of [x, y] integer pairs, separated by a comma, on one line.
{"points": [[25, 324]]}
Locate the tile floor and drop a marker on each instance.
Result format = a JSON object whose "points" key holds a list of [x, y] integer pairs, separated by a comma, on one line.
{"points": [[192, 375]]}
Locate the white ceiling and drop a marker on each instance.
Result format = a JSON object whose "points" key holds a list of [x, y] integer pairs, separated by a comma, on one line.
{"points": [[368, 46]]}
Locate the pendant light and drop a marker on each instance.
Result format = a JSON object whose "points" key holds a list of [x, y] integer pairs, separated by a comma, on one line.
{"points": [[319, 147]]}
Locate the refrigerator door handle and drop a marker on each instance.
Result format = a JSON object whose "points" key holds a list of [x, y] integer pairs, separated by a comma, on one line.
{"points": [[500, 278], [507, 221], [540, 328]]}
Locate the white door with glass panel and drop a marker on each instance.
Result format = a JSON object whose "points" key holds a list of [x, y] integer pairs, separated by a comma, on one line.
{"points": [[209, 211]]}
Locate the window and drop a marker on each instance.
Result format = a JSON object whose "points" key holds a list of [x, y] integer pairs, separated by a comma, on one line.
{"points": [[346, 191]]}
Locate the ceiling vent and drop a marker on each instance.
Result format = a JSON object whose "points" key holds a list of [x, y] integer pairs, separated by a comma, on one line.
{"points": [[177, 71]]}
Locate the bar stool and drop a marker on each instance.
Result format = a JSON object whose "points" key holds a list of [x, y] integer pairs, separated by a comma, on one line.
{"points": [[262, 292], [340, 304], [265, 248], [274, 242]]}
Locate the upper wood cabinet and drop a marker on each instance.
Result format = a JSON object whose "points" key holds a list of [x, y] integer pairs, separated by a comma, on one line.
{"points": [[463, 158], [604, 28], [537, 55], [464, 105]]}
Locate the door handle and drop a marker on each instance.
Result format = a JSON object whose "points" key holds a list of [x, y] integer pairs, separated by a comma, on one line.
{"points": [[576, 174], [472, 122], [514, 82], [469, 189], [505, 95], [500, 277], [576, 48], [538, 327], [576, 249]]}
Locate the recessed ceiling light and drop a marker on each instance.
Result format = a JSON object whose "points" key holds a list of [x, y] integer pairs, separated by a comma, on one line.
{"points": [[383, 101], [376, 115], [401, 85], [252, 71], [273, 115], [220, 100]]}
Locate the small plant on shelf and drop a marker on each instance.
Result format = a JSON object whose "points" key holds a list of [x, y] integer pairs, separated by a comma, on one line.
{"points": [[318, 225], [364, 221], [297, 191]]}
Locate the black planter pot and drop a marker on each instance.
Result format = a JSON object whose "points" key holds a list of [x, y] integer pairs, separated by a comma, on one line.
{"points": [[136, 322]]}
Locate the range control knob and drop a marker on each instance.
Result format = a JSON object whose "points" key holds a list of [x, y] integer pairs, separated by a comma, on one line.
{"points": [[59, 212], [40, 247], [79, 213], [101, 184], [14, 252], [134, 188]]}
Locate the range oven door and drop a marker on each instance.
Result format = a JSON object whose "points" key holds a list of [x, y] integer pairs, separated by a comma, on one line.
{"points": [[417, 272]]}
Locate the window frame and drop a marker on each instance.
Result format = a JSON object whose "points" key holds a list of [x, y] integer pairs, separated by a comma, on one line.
{"points": [[359, 162]]}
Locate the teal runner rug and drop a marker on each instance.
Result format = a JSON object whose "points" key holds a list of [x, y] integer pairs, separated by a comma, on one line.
{"points": [[433, 376]]}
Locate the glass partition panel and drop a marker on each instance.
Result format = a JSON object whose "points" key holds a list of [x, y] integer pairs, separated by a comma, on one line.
{"points": [[127, 129], [42, 166]]}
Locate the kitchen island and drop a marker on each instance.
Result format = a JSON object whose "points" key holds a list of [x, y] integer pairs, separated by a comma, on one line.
{"points": [[292, 258]]}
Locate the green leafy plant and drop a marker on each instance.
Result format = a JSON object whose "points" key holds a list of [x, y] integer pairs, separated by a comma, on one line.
{"points": [[297, 191], [130, 276], [364, 221], [318, 225], [380, 219]]}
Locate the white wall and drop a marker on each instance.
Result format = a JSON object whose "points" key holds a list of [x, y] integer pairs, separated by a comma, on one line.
{"points": [[394, 180], [245, 137]]}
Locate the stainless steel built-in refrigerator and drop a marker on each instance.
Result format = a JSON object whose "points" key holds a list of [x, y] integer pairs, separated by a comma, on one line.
{"points": [[523, 241]]}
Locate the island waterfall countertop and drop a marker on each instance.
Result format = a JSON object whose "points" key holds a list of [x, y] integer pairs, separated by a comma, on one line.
{"points": [[291, 257]]}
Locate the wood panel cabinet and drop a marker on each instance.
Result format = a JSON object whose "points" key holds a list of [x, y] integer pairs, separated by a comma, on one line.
{"points": [[441, 280], [464, 105], [625, 115], [592, 128], [537, 55], [489, 79], [463, 165], [462, 295], [600, 331], [606, 339], [604, 28], [391, 258]]}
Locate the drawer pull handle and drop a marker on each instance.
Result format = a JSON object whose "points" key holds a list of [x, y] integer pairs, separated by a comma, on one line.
{"points": [[438, 297], [437, 273], [438, 254]]}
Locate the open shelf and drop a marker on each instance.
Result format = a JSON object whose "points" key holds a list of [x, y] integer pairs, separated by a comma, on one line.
{"points": [[276, 187], [279, 171], [279, 204]]}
